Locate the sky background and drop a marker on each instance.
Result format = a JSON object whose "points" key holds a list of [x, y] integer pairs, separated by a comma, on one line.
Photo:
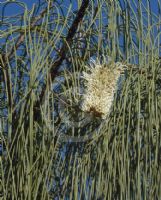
{"points": [[13, 8]]}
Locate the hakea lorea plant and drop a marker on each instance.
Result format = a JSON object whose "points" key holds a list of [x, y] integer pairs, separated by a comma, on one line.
{"points": [[101, 82]]}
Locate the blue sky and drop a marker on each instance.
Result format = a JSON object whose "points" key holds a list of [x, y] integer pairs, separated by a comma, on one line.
{"points": [[13, 8]]}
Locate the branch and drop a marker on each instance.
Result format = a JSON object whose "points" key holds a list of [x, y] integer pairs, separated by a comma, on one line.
{"points": [[70, 35], [62, 54]]}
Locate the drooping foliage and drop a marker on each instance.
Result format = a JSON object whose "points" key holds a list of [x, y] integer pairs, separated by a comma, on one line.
{"points": [[49, 147]]}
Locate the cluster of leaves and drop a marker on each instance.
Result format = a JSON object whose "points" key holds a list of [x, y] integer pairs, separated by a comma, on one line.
{"points": [[43, 53]]}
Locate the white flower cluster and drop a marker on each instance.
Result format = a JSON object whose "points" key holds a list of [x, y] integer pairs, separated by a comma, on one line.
{"points": [[101, 84]]}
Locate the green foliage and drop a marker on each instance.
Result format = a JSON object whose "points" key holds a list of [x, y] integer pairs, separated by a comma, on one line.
{"points": [[47, 152]]}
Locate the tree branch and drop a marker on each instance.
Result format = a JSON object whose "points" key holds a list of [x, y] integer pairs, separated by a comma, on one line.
{"points": [[62, 54]]}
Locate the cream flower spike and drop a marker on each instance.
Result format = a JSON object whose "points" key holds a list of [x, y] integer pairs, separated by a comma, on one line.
{"points": [[101, 84]]}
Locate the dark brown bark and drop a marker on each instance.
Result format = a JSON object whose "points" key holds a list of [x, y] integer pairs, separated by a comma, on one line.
{"points": [[62, 54]]}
